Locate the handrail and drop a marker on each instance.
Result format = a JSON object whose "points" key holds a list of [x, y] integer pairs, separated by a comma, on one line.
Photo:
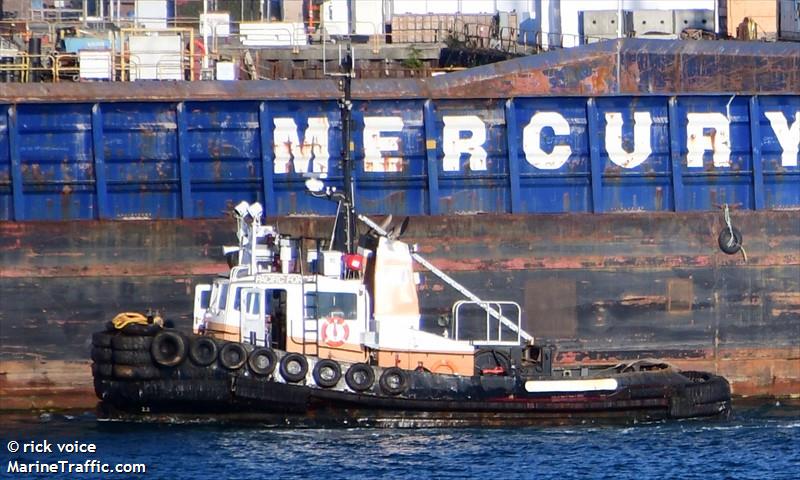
{"points": [[488, 307], [181, 31], [453, 283]]}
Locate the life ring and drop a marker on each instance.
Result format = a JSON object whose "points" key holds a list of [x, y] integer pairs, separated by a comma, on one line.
{"points": [[728, 244], [232, 356], [359, 377], [203, 351], [168, 348], [327, 373], [262, 361], [394, 381], [294, 367], [335, 332]]}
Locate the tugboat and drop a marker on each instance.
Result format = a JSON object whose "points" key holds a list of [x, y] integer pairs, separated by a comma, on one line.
{"points": [[298, 333], [326, 332]]}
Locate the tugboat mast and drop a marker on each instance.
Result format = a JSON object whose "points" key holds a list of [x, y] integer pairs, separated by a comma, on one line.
{"points": [[346, 221]]}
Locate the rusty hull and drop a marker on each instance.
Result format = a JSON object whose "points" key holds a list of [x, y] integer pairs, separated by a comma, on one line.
{"points": [[630, 66], [603, 288]]}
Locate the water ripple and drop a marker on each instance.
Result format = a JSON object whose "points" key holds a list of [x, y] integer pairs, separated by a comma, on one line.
{"points": [[753, 446]]}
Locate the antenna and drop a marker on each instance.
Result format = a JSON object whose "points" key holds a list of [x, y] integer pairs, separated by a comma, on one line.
{"points": [[346, 107], [344, 231]]}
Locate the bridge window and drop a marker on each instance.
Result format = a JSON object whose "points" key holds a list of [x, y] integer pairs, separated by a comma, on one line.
{"points": [[330, 304]]}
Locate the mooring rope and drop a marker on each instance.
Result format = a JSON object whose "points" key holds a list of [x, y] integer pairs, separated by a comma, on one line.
{"points": [[732, 240]]}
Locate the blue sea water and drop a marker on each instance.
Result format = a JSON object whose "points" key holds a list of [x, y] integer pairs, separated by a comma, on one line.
{"points": [[759, 443]]}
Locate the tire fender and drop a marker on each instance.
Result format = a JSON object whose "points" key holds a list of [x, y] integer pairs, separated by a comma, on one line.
{"points": [[286, 367], [102, 355], [132, 357], [394, 381], [203, 351], [359, 377], [726, 244], [330, 366], [135, 372], [102, 339], [232, 356], [126, 342], [262, 361], [168, 348]]}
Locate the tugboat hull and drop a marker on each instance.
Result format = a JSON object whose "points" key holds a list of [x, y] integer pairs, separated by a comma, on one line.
{"points": [[149, 391]]}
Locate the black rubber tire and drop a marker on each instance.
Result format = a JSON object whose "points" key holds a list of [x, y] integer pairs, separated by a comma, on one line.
{"points": [[132, 357], [724, 241], [169, 348], [359, 377], [232, 356], [103, 370], [135, 372], [141, 330], [262, 361], [102, 355], [491, 358], [125, 342], [203, 351], [393, 381], [102, 339], [292, 375], [334, 373]]}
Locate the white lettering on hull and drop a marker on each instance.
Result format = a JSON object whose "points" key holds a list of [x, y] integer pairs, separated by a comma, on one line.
{"points": [[642, 148], [313, 151], [454, 146], [708, 132], [466, 135], [375, 144], [532, 141], [788, 137]]}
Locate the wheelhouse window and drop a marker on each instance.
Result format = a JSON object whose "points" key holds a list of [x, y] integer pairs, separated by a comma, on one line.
{"points": [[219, 296], [252, 302], [237, 299], [223, 296], [331, 304]]}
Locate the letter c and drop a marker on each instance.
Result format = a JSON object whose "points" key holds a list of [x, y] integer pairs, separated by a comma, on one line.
{"points": [[532, 141]]}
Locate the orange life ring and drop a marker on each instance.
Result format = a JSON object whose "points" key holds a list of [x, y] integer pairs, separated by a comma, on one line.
{"points": [[335, 331]]}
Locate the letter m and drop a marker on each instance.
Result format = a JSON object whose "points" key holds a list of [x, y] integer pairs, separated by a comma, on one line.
{"points": [[309, 155]]}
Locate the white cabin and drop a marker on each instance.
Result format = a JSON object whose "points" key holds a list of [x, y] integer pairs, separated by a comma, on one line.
{"points": [[323, 303]]}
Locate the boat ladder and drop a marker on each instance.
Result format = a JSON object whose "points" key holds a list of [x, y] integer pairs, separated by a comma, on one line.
{"points": [[310, 342]]}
